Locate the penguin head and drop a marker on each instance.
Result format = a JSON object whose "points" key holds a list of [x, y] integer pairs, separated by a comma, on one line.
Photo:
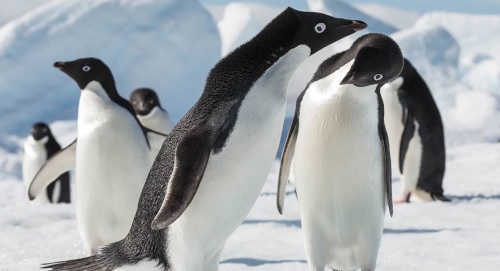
{"points": [[86, 70], [378, 60], [319, 30], [144, 100], [40, 132]]}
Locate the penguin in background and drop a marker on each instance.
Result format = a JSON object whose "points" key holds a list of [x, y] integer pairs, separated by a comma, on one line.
{"points": [[148, 109], [38, 148], [214, 163], [416, 134], [151, 115], [340, 150], [111, 156]]}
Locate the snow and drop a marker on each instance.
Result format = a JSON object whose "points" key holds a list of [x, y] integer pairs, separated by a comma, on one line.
{"points": [[15, 9], [147, 43], [393, 16], [150, 43]]}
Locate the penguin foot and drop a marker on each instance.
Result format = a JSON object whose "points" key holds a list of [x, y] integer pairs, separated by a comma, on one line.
{"points": [[440, 198], [403, 199]]}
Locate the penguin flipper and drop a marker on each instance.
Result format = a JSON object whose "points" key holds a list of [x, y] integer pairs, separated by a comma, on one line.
{"points": [[408, 132], [387, 166], [154, 138], [191, 158], [286, 162], [61, 162]]}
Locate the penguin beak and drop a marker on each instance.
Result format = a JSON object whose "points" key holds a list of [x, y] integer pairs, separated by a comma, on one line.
{"points": [[60, 65], [348, 79], [357, 25]]}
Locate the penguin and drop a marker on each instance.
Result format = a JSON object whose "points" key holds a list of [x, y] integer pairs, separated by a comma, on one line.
{"points": [[38, 147], [149, 111], [341, 156], [213, 165], [111, 156], [416, 136], [151, 115]]}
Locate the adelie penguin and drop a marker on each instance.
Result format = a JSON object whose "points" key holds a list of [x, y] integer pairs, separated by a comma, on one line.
{"points": [[40, 146], [341, 156], [151, 115], [213, 164], [111, 156], [416, 136]]}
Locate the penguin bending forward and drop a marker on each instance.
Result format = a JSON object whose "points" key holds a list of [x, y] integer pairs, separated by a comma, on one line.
{"points": [[416, 136], [40, 146], [341, 156], [111, 156], [151, 115], [213, 164]]}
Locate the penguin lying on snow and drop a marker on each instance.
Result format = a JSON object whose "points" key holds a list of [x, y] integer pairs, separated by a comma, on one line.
{"points": [[213, 164], [416, 135], [111, 156], [342, 163], [40, 146]]}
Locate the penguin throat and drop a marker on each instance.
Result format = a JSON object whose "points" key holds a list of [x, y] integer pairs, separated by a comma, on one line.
{"points": [[41, 141], [150, 114]]}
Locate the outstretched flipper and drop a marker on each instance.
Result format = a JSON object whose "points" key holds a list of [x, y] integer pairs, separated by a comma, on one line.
{"points": [[191, 158], [286, 161], [408, 132], [61, 162]]}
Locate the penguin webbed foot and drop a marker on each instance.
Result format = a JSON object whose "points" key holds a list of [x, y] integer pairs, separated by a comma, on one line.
{"points": [[405, 198], [441, 197]]}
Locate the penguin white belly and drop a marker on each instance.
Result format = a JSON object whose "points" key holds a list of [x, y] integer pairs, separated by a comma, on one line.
{"points": [[35, 155], [393, 119], [234, 177], [159, 121], [339, 180], [411, 165], [111, 165]]}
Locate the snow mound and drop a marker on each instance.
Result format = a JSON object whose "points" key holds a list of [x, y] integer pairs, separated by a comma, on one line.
{"points": [[393, 16], [148, 43], [239, 22], [15, 9], [338, 8], [431, 48]]}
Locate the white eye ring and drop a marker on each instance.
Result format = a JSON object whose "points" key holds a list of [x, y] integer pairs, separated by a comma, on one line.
{"points": [[378, 77], [320, 28], [86, 68]]}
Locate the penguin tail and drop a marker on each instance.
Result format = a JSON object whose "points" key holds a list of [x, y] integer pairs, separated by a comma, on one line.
{"points": [[84, 264]]}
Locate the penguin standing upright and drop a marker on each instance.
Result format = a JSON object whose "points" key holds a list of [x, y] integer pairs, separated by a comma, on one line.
{"points": [[151, 115], [214, 163], [416, 134], [149, 111], [111, 156], [341, 156], [38, 147]]}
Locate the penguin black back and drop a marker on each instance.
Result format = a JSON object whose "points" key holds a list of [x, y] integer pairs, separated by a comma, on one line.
{"points": [[419, 105]]}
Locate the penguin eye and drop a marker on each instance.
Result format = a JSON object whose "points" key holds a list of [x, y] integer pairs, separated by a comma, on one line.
{"points": [[134, 102], [86, 68], [151, 101], [44, 130], [320, 28], [378, 77]]}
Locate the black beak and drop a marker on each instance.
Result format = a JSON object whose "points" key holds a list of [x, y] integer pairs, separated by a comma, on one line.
{"points": [[59, 65], [357, 25], [348, 79]]}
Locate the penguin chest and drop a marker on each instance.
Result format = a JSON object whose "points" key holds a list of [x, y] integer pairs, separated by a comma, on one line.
{"points": [[338, 172], [35, 156], [111, 165], [393, 118]]}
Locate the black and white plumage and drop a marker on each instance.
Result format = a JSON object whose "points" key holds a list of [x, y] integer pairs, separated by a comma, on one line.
{"points": [[416, 134], [111, 156], [341, 157], [213, 164], [149, 111], [38, 148]]}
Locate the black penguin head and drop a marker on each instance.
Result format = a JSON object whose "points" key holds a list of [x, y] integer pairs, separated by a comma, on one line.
{"points": [[86, 70], [144, 100], [319, 30], [40, 130], [378, 60]]}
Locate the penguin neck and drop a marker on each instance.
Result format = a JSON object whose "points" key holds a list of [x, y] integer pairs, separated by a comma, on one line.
{"points": [[108, 92]]}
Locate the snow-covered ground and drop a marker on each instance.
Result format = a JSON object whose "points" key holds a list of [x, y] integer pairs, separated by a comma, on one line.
{"points": [[456, 53]]}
